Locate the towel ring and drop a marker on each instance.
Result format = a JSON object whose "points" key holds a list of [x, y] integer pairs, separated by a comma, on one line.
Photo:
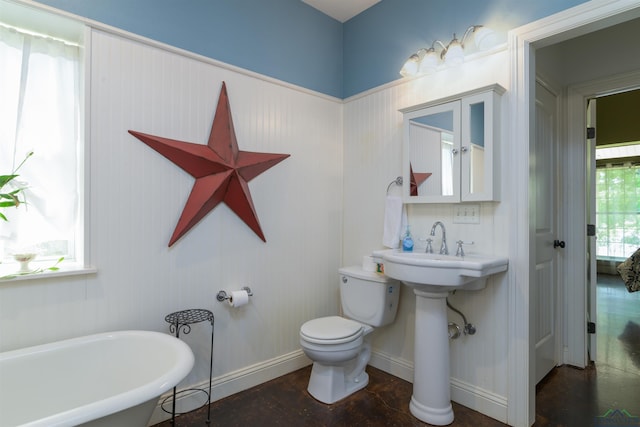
{"points": [[397, 181]]}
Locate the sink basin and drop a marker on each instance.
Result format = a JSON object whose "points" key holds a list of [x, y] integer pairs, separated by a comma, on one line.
{"points": [[432, 276], [441, 272]]}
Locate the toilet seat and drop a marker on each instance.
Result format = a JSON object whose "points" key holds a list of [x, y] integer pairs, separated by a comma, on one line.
{"points": [[331, 330]]}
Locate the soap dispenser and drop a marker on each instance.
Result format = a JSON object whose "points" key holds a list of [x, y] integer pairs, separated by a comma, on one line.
{"points": [[407, 241]]}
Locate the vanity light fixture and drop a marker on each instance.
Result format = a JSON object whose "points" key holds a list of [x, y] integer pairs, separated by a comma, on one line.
{"points": [[427, 61]]}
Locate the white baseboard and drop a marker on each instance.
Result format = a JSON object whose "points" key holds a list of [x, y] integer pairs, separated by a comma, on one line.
{"points": [[476, 398], [233, 382], [469, 395], [479, 399], [395, 366]]}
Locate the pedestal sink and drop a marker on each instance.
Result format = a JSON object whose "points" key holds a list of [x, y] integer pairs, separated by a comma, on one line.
{"points": [[432, 277]]}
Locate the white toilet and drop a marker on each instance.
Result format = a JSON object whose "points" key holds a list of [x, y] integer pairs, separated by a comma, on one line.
{"points": [[339, 346]]}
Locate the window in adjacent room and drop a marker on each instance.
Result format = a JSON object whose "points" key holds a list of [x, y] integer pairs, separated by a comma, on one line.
{"points": [[41, 111], [618, 201]]}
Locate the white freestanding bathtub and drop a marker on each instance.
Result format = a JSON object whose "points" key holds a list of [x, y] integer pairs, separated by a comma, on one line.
{"points": [[108, 379]]}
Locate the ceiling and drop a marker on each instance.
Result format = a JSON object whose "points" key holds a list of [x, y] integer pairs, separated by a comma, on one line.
{"points": [[341, 10]]}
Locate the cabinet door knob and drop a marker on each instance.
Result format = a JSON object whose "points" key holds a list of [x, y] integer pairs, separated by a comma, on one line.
{"points": [[454, 151], [463, 149]]}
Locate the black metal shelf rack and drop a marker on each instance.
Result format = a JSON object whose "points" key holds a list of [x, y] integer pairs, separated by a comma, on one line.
{"points": [[181, 321]]}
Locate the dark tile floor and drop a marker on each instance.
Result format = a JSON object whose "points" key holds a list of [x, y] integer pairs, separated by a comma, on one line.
{"points": [[566, 397], [618, 325]]}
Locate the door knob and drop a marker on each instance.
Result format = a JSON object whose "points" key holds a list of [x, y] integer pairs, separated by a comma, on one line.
{"points": [[558, 243]]}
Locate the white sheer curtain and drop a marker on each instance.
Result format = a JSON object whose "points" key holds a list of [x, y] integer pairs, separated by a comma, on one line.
{"points": [[39, 112], [447, 164]]}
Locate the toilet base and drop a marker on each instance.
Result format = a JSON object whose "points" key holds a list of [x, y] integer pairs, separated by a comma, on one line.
{"points": [[328, 384]]}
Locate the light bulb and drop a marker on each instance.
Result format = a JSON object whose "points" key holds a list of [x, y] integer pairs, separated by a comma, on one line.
{"points": [[429, 63], [484, 38], [455, 54], [410, 68]]}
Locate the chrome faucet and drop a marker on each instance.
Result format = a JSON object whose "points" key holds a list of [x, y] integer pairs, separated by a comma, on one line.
{"points": [[443, 248]]}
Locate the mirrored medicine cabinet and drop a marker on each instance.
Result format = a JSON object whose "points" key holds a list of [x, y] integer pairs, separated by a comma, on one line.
{"points": [[450, 148]]}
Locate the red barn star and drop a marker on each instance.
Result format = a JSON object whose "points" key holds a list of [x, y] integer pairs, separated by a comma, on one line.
{"points": [[221, 170], [416, 179]]}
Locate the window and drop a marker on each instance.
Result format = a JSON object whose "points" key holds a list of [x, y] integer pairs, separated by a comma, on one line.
{"points": [[618, 210], [446, 139], [40, 112]]}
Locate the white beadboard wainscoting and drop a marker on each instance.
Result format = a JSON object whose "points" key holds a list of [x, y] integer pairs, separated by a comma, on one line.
{"points": [[293, 275], [373, 158], [136, 197]]}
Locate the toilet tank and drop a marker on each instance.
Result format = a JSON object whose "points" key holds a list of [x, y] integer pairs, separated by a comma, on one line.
{"points": [[368, 297]]}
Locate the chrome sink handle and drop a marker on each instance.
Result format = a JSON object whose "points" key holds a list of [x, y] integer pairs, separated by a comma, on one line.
{"points": [[429, 248], [460, 251]]}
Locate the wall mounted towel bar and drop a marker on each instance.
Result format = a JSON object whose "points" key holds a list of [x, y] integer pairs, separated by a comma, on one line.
{"points": [[397, 181]]}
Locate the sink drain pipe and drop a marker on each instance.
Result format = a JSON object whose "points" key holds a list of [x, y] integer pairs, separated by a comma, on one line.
{"points": [[469, 329]]}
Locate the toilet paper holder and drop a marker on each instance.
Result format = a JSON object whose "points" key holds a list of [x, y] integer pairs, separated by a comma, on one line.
{"points": [[223, 296]]}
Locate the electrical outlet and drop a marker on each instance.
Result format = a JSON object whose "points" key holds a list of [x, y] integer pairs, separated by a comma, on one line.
{"points": [[466, 214]]}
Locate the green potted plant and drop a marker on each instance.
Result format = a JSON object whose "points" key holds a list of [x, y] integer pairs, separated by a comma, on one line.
{"points": [[11, 198]]}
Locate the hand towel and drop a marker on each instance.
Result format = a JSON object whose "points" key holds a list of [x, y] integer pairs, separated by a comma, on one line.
{"points": [[395, 219]]}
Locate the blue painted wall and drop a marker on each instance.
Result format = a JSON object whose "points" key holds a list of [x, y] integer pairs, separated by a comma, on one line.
{"points": [[293, 42], [284, 39]]}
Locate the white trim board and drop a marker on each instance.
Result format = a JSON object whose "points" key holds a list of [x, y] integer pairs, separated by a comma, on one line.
{"points": [[233, 382]]}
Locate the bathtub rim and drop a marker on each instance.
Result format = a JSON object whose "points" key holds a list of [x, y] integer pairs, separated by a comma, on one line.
{"points": [[120, 402]]}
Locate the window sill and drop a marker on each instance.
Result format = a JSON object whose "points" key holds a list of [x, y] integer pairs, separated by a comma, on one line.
{"points": [[611, 259], [9, 274]]}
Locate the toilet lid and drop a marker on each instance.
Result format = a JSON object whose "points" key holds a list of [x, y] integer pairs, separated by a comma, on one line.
{"points": [[332, 328]]}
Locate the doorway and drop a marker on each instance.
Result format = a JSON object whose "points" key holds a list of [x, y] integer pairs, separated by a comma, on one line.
{"points": [[586, 61], [558, 63], [614, 204]]}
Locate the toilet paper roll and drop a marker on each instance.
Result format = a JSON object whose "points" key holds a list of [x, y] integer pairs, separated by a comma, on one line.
{"points": [[238, 298], [368, 264]]}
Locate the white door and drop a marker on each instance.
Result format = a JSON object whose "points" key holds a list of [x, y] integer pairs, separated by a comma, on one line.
{"points": [[592, 273], [544, 158]]}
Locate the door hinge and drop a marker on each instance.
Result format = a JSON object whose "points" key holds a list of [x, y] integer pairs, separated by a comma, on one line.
{"points": [[591, 230], [591, 327], [591, 133]]}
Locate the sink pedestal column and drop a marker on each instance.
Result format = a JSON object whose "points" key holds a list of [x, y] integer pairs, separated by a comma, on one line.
{"points": [[431, 400]]}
